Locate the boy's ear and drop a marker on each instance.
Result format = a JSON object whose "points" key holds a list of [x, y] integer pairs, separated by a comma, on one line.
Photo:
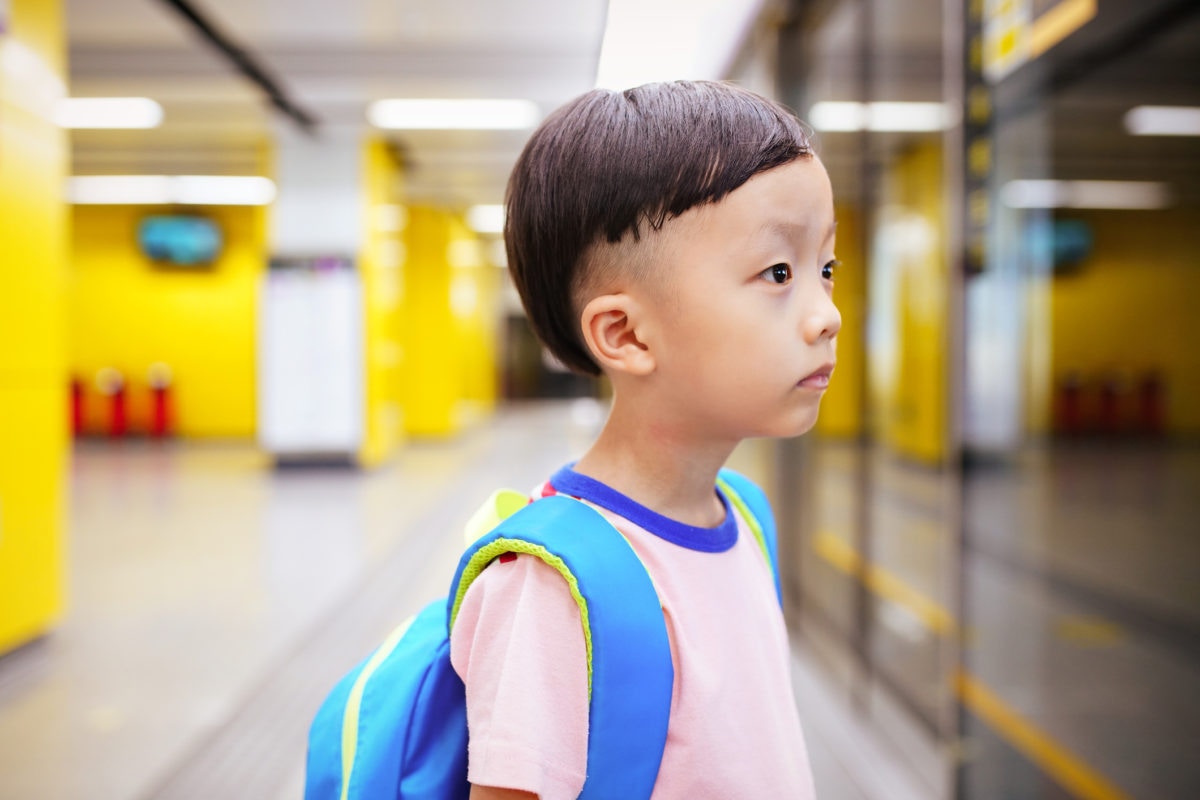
{"points": [[612, 332]]}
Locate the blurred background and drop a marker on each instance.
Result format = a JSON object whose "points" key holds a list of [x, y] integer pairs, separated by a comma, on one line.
{"points": [[260, 358]]}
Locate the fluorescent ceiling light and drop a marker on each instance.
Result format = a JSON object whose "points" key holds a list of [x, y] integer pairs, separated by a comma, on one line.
{"points": [[665, 40], [205, 190], [837, 116], [1163, 121], [108, 112], [407, 114], [486, 219], [222, 190], [907, 116], [1124, 195], [880, 117]]}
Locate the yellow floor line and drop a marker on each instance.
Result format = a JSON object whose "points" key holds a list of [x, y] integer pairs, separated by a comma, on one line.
{"points": [[1059, 763], [884, 584], [1072, 774]]}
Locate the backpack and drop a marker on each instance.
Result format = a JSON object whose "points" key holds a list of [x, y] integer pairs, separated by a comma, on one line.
{"points": [[396, 725]]}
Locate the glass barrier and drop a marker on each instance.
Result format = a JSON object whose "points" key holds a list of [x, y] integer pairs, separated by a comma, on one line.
{"points": [[988, 538]]}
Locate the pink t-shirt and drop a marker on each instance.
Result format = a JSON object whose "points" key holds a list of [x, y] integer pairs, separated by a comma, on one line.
{"points": [[733, 730]]}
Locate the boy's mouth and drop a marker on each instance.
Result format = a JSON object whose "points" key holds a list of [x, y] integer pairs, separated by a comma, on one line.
{"points": [[818, 379]]}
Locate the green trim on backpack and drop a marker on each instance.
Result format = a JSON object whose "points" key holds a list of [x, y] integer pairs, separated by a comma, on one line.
{"points": [[491, 551], [397, 724], [748, 515], [486, 554], [354, 703]]}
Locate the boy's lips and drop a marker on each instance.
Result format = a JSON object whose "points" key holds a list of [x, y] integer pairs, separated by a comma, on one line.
{"points": [[818, 379]]}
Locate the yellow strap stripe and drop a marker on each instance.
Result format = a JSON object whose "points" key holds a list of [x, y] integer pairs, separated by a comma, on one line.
{"points": [[354, 703], [500, 506]]}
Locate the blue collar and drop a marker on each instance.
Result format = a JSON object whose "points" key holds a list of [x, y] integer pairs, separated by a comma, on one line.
{"points": [[706, 540]]}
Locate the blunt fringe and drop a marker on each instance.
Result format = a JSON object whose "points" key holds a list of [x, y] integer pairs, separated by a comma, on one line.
{"points": [[608, 163]]}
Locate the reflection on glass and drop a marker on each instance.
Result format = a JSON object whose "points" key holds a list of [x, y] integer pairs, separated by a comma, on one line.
{"points": [[994, 554]]}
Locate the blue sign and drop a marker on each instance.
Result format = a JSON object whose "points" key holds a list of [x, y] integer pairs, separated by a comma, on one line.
{"points": [[178, 240]]}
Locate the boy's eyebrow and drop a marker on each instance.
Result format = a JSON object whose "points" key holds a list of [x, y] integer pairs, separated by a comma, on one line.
{"points": [[782, 227], [793, 228]]}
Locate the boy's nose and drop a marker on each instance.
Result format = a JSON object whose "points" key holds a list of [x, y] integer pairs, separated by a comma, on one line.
{"points": [[823, 320]]}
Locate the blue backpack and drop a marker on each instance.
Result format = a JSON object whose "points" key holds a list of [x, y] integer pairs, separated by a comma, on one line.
{"points": [[396, 725]]}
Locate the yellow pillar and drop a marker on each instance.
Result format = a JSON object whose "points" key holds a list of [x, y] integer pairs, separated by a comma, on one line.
{"points": [[474, 298], [432, 387], [33, 408], [450, 313], [381, 265], [911, 389]]}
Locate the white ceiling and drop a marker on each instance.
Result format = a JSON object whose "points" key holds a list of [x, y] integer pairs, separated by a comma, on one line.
{"points": [[332, 57]]}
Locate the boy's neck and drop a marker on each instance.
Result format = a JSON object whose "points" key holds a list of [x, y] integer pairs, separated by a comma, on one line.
{"points": [[657, 464]]}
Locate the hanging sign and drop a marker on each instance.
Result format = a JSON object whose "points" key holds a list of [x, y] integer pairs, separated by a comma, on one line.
{"points": [[977, 140], [1017, 31]]}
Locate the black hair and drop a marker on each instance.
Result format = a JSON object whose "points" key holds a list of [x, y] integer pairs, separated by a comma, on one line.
{"points": [[606, 163]]}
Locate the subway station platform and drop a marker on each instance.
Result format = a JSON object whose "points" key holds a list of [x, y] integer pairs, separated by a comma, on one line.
{"points": [[988, 542], [213, 600]]}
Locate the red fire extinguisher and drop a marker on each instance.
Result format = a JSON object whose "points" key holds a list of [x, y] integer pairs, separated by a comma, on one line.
{"points": [[1112, 390], [160, 392], [1068, 405], [76, 405], [1152, 412], [111, 384]]}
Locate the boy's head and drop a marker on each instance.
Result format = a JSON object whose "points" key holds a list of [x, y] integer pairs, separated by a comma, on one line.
{"points": [[608, 170]]}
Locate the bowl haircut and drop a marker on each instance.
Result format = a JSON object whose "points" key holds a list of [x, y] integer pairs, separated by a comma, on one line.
{"points": [[610, 165]]}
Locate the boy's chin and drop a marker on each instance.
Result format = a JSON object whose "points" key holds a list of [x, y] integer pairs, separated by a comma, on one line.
{"points": [[800, 430], [795, 425]]}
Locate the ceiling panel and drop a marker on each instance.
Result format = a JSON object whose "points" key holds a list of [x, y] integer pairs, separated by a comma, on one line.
{"points": [[332, 58], [529, 23]]}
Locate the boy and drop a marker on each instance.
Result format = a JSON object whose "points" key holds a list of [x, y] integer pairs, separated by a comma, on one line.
{"points": [[677, 238]]}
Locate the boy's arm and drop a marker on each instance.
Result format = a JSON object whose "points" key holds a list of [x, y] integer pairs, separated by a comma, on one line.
{"points": [[492, 793], [518, 645]]}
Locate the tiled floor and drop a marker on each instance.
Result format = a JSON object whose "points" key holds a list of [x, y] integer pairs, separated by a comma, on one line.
{"points": [[213, 600]]}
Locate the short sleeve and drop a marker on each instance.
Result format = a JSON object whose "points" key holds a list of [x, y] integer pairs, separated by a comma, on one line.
{"points": [[518, 645]]}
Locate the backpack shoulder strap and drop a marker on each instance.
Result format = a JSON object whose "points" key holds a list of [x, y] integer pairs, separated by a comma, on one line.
{"points": [[630, 675], [749, 500]]}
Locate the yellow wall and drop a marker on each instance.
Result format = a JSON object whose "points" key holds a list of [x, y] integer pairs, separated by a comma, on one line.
{"points": [[429, 367], [128, 314], [1130, 306], [909, 394], [841, 409], [381, 266], [33, 408]]}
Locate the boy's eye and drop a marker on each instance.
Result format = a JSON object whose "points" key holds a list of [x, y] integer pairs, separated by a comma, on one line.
{"points": [[828, 270], [779, 273]]}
